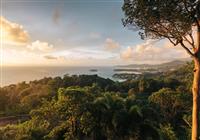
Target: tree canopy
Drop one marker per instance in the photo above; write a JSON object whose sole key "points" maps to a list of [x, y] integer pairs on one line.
{"points": [[171, 19]]}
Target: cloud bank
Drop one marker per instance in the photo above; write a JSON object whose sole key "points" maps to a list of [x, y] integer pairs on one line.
{"points": [[149, 51], [13, 33]]}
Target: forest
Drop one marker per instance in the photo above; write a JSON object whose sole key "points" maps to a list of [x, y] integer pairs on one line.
{"points": [[88, 107]]}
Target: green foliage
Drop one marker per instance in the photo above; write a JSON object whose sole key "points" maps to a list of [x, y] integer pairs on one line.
{"points": [[162, 19], [3, 99], [69, 108], [171, 103], [167, 132]]}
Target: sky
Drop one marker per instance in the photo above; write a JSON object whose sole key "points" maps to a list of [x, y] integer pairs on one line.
{"points": [[74, 33]]}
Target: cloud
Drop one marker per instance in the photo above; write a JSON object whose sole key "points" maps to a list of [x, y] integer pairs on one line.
{"points": [[13, 33], [51, 57], [54, 57], [83, 53], [41, 46], [150, 51], [56, 16], [127, 54], [111, 45], [16, 56]]}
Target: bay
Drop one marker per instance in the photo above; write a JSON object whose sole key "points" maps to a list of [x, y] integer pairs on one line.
{"points": [[13, 75]]}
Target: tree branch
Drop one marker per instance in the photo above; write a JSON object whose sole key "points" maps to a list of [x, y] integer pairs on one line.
{"points": [[187, 50], [192, 38], [174, 43]]}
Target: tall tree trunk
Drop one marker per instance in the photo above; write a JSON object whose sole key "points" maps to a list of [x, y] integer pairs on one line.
{"points": [[195, 91]]}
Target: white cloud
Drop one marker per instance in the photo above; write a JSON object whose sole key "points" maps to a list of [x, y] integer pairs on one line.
{"points": [[13, 33], [40, 46], [149, 51], [111, 45]]}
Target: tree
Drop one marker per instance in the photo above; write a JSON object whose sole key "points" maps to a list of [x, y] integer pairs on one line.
{"points": [[3, 99], [171, 104], [177, 21]]}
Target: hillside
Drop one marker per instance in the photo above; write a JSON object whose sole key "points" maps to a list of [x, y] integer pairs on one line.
{"points": [[91, 107], [168, 65]]}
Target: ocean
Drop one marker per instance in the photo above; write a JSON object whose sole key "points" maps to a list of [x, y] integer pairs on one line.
{"points": [[13, 75]]}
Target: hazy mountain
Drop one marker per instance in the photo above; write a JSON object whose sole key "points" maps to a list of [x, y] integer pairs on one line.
{"points": [[168, 65]]}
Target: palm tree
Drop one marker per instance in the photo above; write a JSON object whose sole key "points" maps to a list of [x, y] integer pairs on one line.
{"points": [[119, 118]]}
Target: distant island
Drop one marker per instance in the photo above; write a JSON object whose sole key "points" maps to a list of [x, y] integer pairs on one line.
{"points": [[93, 70]]}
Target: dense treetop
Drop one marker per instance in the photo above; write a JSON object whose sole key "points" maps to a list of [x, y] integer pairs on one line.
{"points": [[90, 107]]}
